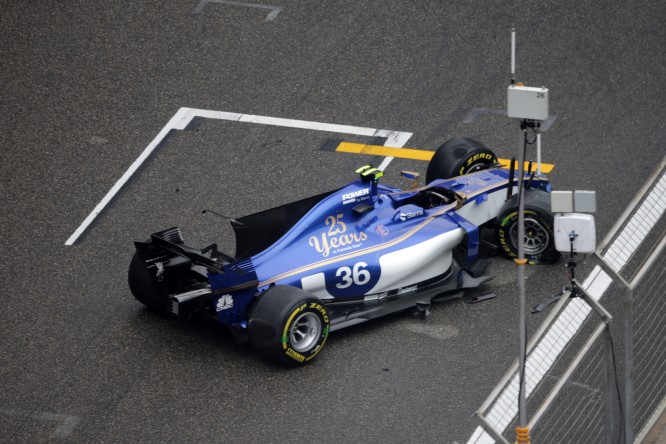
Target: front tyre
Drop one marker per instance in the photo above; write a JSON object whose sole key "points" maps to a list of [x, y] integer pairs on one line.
{"points": [[457, 157], [539, 235], [289, 326]]}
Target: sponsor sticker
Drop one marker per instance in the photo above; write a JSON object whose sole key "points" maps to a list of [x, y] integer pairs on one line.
{"points": [[295, 355], [225, 302], [356, 196], [336, 239], [382, 230], [410, 215]]}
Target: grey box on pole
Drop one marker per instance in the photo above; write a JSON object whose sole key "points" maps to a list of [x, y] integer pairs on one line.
{"points": [[526, 102], [585, 201], [561, 202]]}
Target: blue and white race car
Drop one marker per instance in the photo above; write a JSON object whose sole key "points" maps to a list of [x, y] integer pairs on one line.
{"points": [[347, 256]]}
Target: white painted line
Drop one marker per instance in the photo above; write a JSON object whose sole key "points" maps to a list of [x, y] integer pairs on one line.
{"points": [[67, 422], [569, 322], [275, 10], [173, 124], [184, 116], [396, 139]]}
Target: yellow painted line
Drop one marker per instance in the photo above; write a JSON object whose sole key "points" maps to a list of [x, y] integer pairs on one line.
{"points": [[408, 153], [545, 167], [379, 150]]}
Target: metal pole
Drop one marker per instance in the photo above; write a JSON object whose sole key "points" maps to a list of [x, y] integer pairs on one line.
{"points": [[513, 56], [629, 366], [538, 141], [520, 262], [608, 375]]}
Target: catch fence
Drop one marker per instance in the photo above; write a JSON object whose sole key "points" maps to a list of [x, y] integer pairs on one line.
{"points": [[581, 385]]}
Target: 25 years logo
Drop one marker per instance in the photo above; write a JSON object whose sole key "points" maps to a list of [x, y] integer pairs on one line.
{"points": [[336, 239]]}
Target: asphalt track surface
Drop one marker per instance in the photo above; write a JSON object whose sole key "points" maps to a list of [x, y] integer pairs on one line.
{"points": [[85, 86]]}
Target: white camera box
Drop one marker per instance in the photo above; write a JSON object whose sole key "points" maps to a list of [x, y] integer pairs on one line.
{"points": [[580, 224]]}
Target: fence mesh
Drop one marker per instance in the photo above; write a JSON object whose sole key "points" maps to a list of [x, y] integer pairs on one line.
{"points": [[587, 407], [649, 342], [578, 415], [555, 347], [638, 233], [635, 251]]}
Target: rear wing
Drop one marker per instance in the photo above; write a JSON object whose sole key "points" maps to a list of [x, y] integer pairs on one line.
{"points": [[171, 240]]}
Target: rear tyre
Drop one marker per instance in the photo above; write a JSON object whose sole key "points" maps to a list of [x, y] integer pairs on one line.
{"points": [[289, 326], [457, 157], [539, 236], [146, 286]]}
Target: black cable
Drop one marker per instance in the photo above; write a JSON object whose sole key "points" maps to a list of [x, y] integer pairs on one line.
{"points": [[525, 152], [578, 261], [617, 386], [535, 136], [532, 174]]}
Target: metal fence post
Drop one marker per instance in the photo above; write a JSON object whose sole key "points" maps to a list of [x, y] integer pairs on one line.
{"points": [[629, 366], [608, 375]]}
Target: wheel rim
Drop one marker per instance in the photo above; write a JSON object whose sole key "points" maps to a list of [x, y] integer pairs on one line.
{"points": [[305, 332], [536, 237], [477, 167]]}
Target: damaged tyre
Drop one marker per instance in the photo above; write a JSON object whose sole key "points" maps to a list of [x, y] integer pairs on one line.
{"points": [[539, 235]]}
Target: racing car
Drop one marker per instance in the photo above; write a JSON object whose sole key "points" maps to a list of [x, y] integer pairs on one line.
{"points": [[347, 256]]}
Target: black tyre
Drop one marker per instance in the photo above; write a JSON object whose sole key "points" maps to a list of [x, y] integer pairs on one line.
{"points": [[539, 235], [289, 326], [146, 286], [457, 157]]}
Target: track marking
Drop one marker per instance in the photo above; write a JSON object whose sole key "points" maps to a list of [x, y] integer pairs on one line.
{"points": [[67, 423], [410, 153], [472, 115], [378, 150], [275, 10], [184, 117]]}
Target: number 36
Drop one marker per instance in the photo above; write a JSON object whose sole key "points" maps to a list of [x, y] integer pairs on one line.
{"points": [[357, 276]]}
